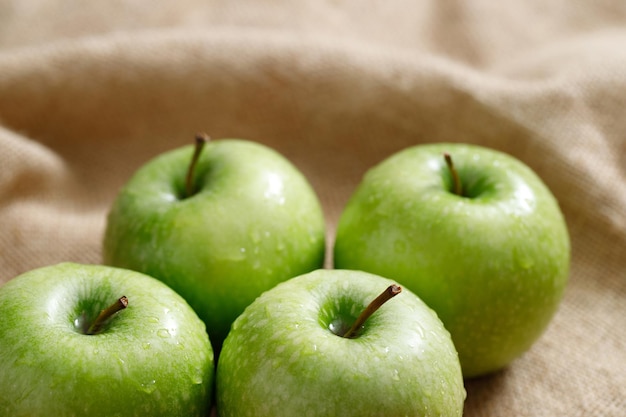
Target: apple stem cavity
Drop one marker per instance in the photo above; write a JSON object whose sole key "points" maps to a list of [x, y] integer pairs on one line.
{"points": [[456, 181], [201, 140], [106, 314], [385, 296]]}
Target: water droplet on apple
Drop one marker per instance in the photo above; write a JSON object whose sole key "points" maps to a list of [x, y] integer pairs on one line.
{"points": [[146, 346], [78, 323], [337, 327], [164, 333], [523, 260], [421, 352], [526, 263], [235, 254], [420, 331], [153, 319], [395, 375], [149, 387], [196, 378]]}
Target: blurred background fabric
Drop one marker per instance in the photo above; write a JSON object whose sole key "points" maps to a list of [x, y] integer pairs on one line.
{"points": [[91, 90]]}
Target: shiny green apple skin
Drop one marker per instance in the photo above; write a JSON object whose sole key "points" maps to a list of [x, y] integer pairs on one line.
{"points": [[492, 263], [282, 358], [153, 358], [254, 221]]}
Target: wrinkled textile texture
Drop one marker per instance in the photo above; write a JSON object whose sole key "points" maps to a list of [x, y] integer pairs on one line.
{"points": [[91, 90]]}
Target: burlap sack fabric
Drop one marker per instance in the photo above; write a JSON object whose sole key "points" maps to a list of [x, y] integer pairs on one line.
{"points": [[91, 90]]}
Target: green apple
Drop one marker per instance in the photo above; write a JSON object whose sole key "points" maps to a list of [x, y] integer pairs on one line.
{"points": [[304, 348], [475, 234], [219, 225], [91, 340]]}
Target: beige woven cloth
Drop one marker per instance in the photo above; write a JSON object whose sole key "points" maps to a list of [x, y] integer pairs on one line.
{"points": [[90, 90]]}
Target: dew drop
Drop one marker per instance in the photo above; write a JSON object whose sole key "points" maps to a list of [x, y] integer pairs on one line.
{"points": [[164, 333], [420, 331], [149, 387], [78, 323], [395, 375], [197, 378], [523, 260], [236, 255]]}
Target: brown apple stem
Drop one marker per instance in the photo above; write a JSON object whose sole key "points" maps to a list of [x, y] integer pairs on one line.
{"points": [[385, 296], [201, 140], [106, 314], [458, 188]]}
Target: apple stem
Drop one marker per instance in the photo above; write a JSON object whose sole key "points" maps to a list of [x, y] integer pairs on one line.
{"points": [[201, 140], [106, 314], [385, 296], [458, 188]]}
